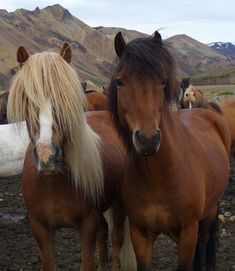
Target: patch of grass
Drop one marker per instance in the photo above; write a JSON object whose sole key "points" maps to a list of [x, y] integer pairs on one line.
{"points": [[226, 93], [219, 73]]}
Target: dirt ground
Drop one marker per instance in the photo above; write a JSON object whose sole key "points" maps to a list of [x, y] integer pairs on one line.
{"points": [[19, 251]]}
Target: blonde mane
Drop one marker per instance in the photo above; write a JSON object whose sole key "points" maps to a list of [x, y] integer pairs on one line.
{"points": [[48, 76]]}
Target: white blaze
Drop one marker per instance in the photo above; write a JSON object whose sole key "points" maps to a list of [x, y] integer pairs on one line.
{"points": [[45, 119]]}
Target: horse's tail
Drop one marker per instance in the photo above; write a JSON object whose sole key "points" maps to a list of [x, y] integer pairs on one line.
{"points": [[212, 244], [127, 255]]}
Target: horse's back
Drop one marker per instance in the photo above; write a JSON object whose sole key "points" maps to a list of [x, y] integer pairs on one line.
{"points": [[96, 101], [207, 141], [206, 123]]}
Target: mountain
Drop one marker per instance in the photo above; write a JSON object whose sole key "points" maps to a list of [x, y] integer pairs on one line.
{"points": [[225, 48], [128, 35], [43, 29], [93, 49], [194, 57]]}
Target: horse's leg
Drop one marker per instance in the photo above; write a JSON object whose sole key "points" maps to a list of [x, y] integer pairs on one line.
{"points": [[213, 241], [206, 246], [102, 240], [142, 241], [118, 216], [89, 230], [187, 247], [44, 238]]}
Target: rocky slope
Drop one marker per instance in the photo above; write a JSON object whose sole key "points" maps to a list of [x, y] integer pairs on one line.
{"points": [[93, 53]]}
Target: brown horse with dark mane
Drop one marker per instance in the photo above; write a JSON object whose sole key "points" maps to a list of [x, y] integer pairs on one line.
{"points": [[68, 177], [178, 162]]}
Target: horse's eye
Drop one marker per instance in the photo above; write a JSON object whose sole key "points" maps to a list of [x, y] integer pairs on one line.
{"points": [[186, 94], [119, 83]]}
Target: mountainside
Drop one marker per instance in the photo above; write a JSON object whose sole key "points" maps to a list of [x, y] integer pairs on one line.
{"points": [[93, 49], [194, 57], [48, 28], [225, 48]]}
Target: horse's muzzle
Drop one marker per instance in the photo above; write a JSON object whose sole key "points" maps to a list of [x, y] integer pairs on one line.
{"points": [[147, 145], [47, 158]]}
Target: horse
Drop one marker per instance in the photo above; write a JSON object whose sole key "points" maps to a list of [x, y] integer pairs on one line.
{"points": [[184, 84], [13, 146], [178, 165], [96, 101], [68, 178], [193, 97], [3, 107], [228, 110]]}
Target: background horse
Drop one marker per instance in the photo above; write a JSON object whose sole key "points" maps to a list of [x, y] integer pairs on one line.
{"points": [[68, 177], [3, 107], [13, 146], [96, 101], [170, 186], [228, 109], [184, 84], [193, 97]]}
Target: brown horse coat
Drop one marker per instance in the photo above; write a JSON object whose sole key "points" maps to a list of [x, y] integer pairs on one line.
{"points": [[178, 162]]}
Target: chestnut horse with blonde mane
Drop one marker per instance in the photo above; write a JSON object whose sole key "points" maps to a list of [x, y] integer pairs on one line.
{"points": [[68, 177], [178, 162]]}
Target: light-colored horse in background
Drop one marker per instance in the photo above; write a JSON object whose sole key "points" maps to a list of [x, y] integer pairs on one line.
{"points": [[193, 97], [13, 146]]}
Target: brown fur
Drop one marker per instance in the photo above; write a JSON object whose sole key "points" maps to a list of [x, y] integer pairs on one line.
{"points": [[96, 101], [176, 189], [194, 96], [84, 181], [228, 109]]}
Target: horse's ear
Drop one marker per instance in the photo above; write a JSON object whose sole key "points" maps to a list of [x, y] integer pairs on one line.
{"points": [[119, 44], [22, 55], [66, 52], [157, 36]]}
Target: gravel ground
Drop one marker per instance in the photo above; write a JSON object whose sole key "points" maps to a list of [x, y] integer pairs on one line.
{"points": [[19, 252]]}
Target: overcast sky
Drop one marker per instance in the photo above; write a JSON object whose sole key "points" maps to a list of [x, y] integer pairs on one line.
{"points": [[205, 20]]}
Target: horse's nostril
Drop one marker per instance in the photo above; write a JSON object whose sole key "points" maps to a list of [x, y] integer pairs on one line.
{"points": [[140, 137], [158, 136]]}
